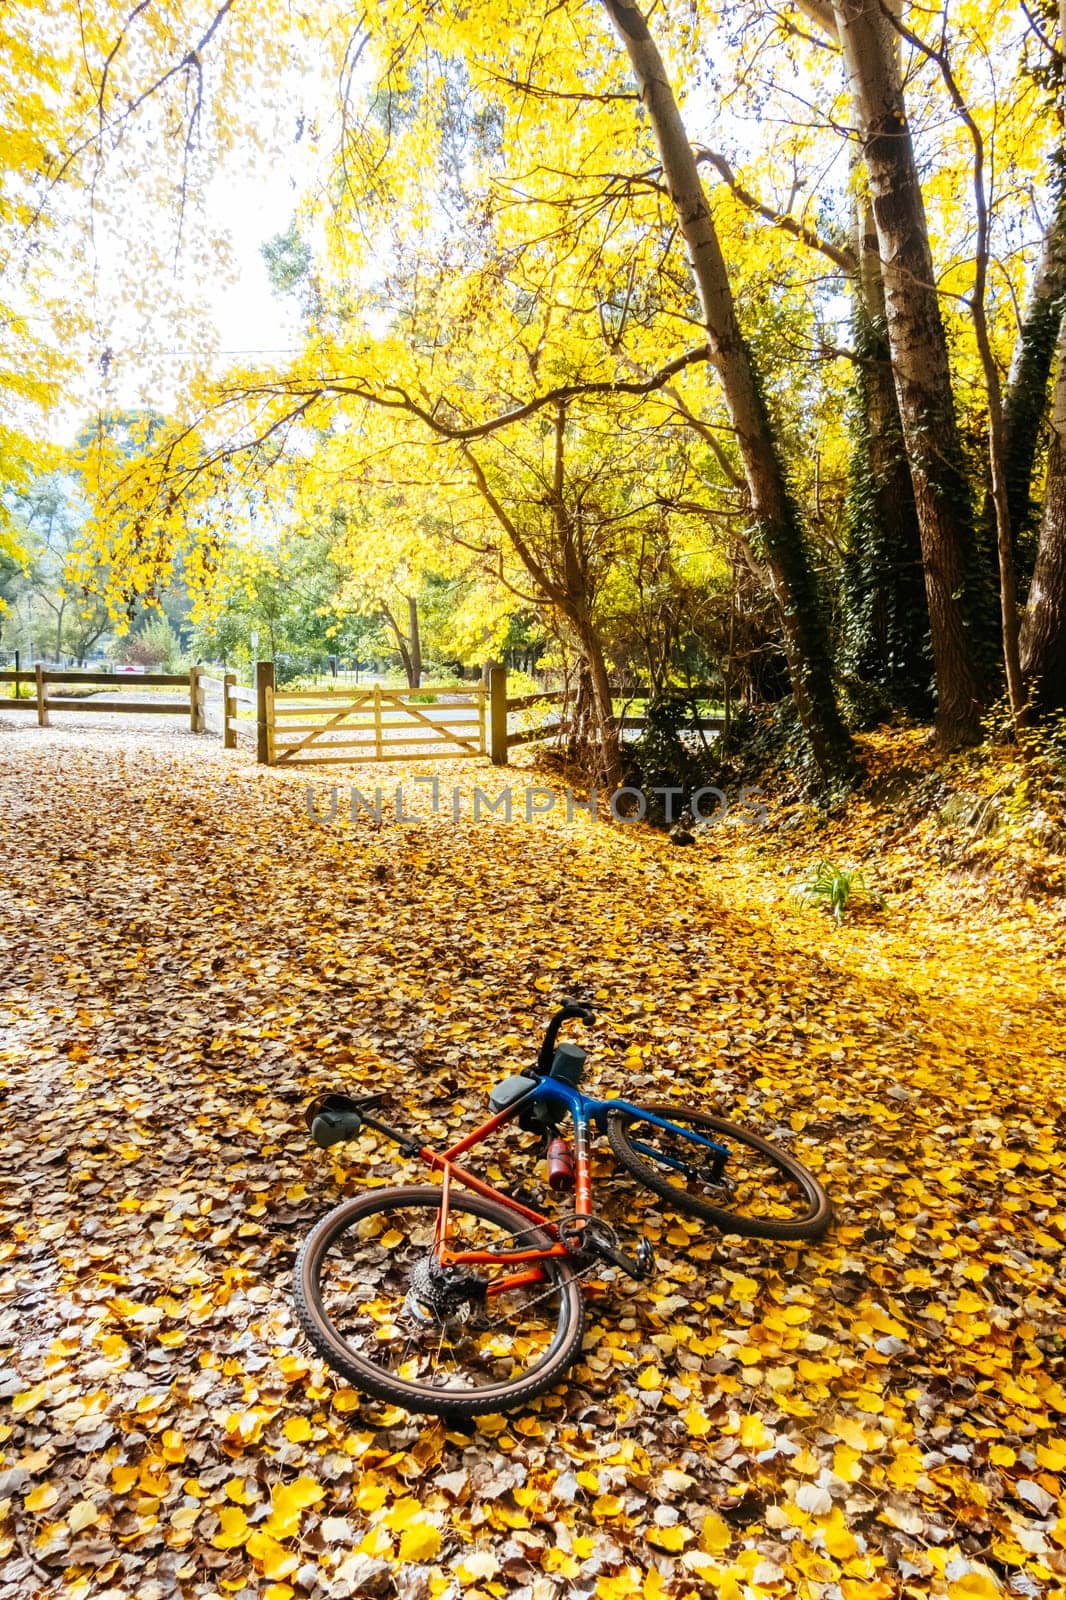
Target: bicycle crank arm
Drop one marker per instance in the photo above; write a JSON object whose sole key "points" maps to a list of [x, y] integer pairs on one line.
{"points": [[640, 1266]]}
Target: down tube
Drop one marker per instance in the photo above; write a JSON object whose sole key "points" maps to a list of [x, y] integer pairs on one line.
{"points": [[583, 1201]]}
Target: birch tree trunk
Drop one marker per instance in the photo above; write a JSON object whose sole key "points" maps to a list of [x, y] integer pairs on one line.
{"points": [[1044, 623], [774, 514], [920, 367]]}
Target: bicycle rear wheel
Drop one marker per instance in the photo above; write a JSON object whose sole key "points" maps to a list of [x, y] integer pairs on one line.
{"points": [[758, 1189], [371, 1299]]}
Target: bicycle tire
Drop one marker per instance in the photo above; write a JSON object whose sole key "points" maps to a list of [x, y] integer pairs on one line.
{"points": [[367, 1375], [810, 1224]]}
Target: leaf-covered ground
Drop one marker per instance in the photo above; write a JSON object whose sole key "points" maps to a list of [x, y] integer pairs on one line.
{"points": [[188, 957]]}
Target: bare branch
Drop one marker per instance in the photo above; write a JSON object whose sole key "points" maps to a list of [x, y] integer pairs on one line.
{"points": [[392, 397], [840, 255]]}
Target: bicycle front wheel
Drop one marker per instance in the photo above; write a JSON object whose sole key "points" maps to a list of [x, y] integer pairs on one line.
{"points": [[757, 1189], [374, 1302]]}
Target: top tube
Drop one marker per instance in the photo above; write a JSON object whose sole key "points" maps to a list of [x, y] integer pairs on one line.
{"points": [[557, 1096]]}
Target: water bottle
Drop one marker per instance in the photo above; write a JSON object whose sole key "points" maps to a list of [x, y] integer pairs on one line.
{"points": [[560, 1164]]}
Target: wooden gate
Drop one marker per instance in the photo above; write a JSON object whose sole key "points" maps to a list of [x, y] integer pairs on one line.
{"points": [[373, 724]]}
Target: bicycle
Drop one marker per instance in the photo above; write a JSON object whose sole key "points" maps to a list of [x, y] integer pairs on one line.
{"points": [[460, 1304]]}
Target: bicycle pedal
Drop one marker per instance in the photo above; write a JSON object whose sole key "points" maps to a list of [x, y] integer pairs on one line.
{"points": [[645, 1259]]}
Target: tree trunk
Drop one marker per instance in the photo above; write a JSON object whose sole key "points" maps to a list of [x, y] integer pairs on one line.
{"points": [[414, 636], [1044, 624], [888, 617], [401, 645], [609, 754], [791, 576], [920, 366], [1025, 398]]}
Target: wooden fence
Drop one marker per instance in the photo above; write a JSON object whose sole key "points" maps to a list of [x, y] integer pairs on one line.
{"points": [[316, 726], [554, 723], [306, 727], [199, 688]]}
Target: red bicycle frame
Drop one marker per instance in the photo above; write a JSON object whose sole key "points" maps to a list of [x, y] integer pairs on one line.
{"points": [[447, 1165]]}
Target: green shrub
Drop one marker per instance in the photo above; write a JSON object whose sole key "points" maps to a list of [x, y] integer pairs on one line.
{"points": [[833, 888]]}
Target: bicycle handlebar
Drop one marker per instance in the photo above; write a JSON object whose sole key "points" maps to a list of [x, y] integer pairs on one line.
{"points": [[570, 1009]]}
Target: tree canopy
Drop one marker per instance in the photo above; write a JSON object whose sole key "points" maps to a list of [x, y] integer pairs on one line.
{"points": [[765, 289]]}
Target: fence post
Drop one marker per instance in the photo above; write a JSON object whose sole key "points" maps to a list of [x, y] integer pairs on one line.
{"points": [[42, 708], [18, 679], [377, 721], [498, 716], [229, 711], [197, 720], [264, 707]]}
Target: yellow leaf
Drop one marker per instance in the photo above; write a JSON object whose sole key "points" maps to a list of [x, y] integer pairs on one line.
{"points": [[850, 1432], [715, 1535], [651, 1378], [478, 1565], [974, 1586], [420, 1541], [1001, 1455], [753, 1434], [906, 1467], [153, 1477], [839, 1540], [82, 1515], [287, 1501], [234, 1529], [45, 1495], [846, 1463], [297, 1430], [654, 1588], [608, 1505], [123, 1478], [622, 1586], [743, 1289], [672, 1539], [695, 1421], [275, 1560], [403, 1513], [28, 1399], [371, 1494], [377, 1542]]}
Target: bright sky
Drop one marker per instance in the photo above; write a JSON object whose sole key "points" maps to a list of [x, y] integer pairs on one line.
{"points": [[166, 323]]}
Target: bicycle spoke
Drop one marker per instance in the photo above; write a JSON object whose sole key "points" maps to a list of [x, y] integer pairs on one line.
{"points": [[367, 1294]]}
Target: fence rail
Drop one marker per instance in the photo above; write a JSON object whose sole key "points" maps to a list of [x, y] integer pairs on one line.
{"points": [[353, 724], [503, 740], [199, 688]]}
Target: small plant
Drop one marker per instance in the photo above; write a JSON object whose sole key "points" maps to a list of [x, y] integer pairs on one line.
{"points": [[833, 887]]}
